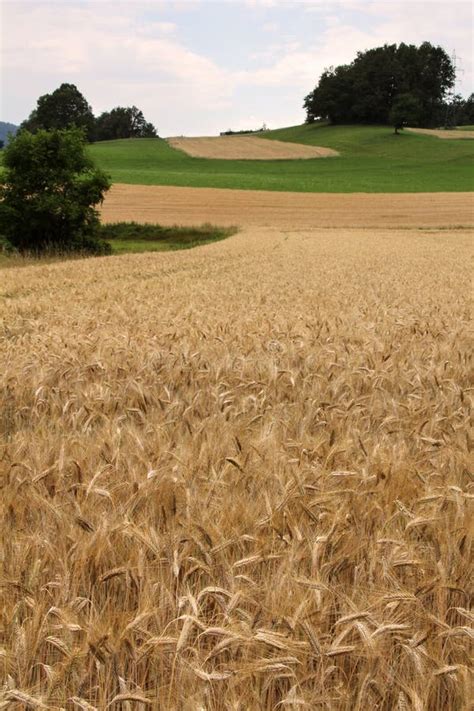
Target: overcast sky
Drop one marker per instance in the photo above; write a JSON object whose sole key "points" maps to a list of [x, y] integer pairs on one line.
{"points": [[202, 66]]}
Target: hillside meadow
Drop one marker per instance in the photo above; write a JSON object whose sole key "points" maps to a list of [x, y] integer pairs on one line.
{"points": [[372, 159], [237, 478]]}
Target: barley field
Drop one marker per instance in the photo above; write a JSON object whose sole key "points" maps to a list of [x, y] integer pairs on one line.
{"points": [[247, 148], [237, 478]]}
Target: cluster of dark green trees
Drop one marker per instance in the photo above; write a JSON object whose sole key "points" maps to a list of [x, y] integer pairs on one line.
{"points": [[459, 111], [394, 84], [66, 107], [50, 187]]}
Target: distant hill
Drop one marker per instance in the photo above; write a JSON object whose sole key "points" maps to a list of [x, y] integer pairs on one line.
{"points": [[5, 129], [371, 160]]}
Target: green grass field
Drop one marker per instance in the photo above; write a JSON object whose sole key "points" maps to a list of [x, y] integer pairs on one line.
{"points": [[127, 237], [372, 160], [131, 237]]}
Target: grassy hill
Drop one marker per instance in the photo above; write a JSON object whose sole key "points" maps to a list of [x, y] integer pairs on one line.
{"points": [[372, 159]]}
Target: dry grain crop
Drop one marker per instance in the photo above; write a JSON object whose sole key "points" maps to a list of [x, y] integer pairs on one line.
{"points": [[237, 478], [443, 133], [257, 208], [247, 148]]}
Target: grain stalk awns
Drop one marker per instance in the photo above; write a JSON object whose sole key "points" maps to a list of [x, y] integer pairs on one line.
{"points": [[238, 478]]}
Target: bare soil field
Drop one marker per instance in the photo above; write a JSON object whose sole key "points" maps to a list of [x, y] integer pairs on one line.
{"points": [[250, 208], [441, 133], [247, 148], [237, 478]]}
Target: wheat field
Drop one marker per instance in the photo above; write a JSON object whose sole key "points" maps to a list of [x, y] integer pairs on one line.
{"points": [[237, 478], [287, 211], [247, 148], [444, 133]]}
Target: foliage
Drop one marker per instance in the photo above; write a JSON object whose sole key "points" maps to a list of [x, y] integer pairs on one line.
{"points": [[467, 117], [49, 193], [459, 111], [65, 107], [405, 111], [370, 161], [365, 90], [123, 122], [230, 132]]}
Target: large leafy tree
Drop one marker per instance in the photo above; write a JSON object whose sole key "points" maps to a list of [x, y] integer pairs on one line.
{"points": [[66, 107], [63, 108], [49, 192], [365, 90], [332, 97], [123, 122]]}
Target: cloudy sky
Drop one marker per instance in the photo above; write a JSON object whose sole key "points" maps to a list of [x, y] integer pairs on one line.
{"points": [[197, 67]]}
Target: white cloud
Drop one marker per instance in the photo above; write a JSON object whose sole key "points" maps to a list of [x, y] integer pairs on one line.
{"points": [[166, 28], [134, 53], [270, 27], [447, 24], [113, 58]]}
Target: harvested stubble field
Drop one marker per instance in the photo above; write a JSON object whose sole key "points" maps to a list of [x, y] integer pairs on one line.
{"points": [[247, 148], [237, 478], [444, 133], [256, 208]]}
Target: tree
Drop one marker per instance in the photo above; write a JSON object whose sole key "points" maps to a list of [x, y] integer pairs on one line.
{"points": [[66, 107], [458, 112], [365, 90], [468, 114], [406, 110], [332, 98], [63, 108], [49, 191], [123, 122]]}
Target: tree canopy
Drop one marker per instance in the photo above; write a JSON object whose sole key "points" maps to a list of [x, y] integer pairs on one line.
{"points": [[49, 191], [123, 122], [459, 111], [365, 90], [66, 107]]}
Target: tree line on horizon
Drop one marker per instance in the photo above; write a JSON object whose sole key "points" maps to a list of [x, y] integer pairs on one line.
{"points": [[66, 107], [393, 84]]}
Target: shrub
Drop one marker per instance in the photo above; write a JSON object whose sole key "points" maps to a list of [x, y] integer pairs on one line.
{"points": [[49, 193]]}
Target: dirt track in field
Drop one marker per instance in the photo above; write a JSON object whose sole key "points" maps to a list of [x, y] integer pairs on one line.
{"points": [[253, 208], [441, 133], [247, 148]]}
